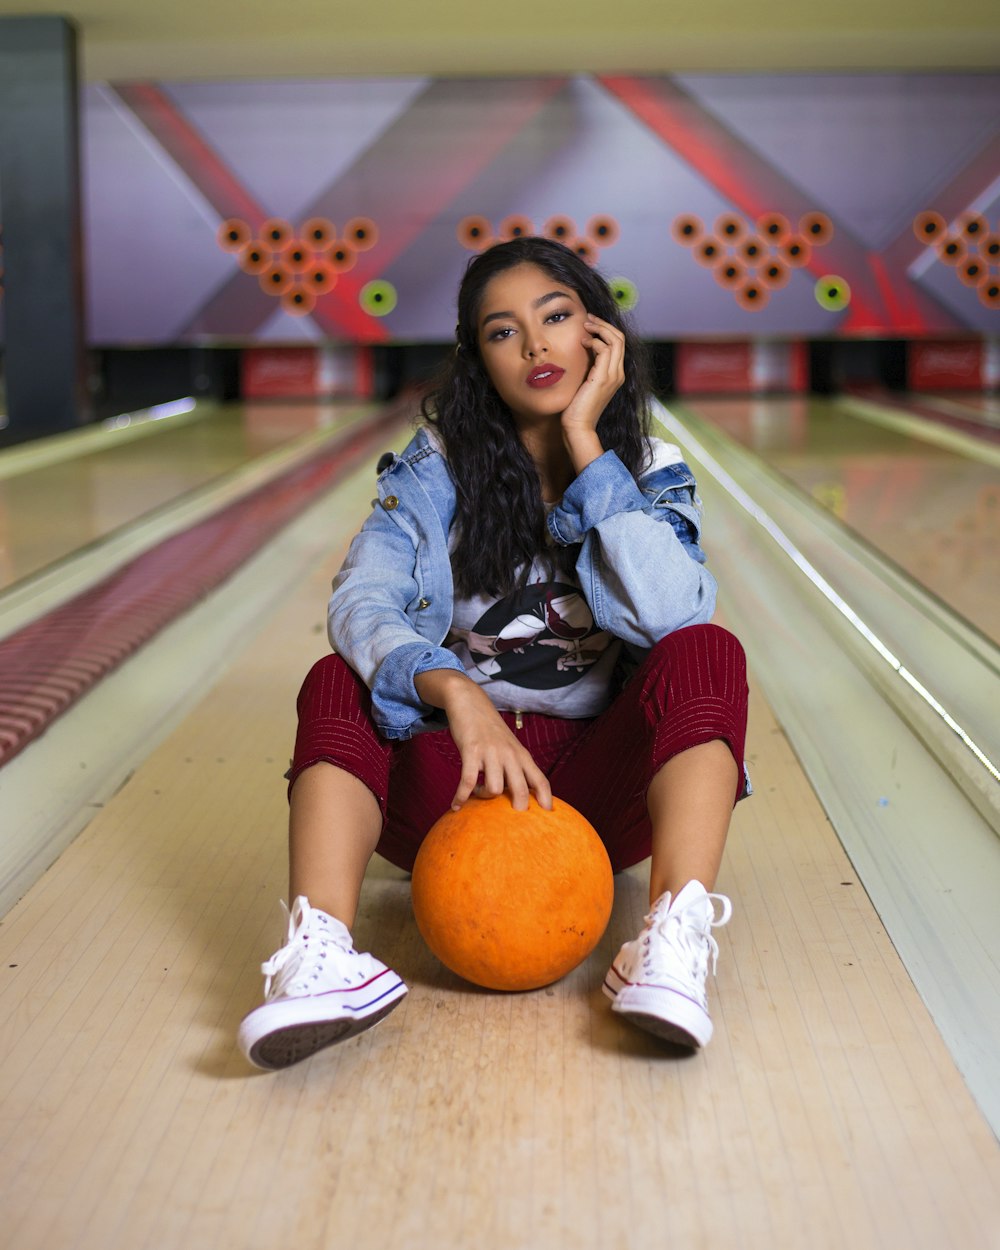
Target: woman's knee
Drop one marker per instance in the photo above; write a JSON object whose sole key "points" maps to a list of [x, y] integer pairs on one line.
{"points": [[330, 672], [708, 642], [697, 662], [327, 667]]}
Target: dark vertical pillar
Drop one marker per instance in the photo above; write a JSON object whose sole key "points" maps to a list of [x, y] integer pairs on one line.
{"points": [[40, 214]]}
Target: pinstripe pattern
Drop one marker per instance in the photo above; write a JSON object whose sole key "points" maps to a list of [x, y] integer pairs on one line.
{"points": [[690, 689]]}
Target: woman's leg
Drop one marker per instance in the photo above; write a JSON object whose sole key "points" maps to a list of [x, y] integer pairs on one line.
{"points": [[690, 802], [333, 829], [657, 774], [351, 792], [338, 790], [318, 989], [696, 688]]}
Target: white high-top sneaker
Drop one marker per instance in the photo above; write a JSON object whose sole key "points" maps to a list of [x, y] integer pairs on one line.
{"points": [[658, 981], [319, 990]]}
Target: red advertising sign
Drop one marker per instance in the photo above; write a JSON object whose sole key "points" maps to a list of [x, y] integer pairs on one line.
{"points": [[307, 373], [951, 365], [756, 367]]}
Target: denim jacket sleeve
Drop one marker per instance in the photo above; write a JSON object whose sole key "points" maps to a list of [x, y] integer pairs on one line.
{"points": [[391, 603], [640, 564]]}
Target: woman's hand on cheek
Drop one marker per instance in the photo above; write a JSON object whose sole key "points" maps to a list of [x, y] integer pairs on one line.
{"points": [[606, 375], [607, 344]]}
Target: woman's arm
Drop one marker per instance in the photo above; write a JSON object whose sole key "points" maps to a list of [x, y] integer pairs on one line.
{"points": [[606, 344], [393, 573], [372, 622], [640, 563]]}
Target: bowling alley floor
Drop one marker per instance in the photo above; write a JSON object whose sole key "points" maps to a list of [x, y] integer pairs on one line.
{"points": [[75, 490], [828, 1109], [931, 508]]}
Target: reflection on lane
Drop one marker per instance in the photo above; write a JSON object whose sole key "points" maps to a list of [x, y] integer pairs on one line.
{"points": [[966, 402], [49, 512], [934, 513]]}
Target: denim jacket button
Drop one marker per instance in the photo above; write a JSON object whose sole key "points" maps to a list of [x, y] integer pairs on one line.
{"points": [[390, 502], [424, 603]]}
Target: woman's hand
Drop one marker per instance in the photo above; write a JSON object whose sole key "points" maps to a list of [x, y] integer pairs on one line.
{"points": [[607, 343], [485, 743]]}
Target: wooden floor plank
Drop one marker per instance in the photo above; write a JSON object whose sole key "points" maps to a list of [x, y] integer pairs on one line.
{"points": [[825, 1112]]}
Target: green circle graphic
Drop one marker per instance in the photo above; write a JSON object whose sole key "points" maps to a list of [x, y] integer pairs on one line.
{"points": [[378, 298], [624, 292], [832, 293]]}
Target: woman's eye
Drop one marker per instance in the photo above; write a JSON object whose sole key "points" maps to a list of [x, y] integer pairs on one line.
{"points": [[503, 333]]}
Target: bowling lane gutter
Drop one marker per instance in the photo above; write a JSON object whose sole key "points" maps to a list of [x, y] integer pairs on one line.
{"points": [[52, 789], [963, 413], [927, 426], [931, 664], [53, 660], [33, 596], [832, 633], [112, 432]]}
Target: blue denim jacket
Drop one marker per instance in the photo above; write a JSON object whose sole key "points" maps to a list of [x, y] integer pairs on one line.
{"points": [[640, 567]]}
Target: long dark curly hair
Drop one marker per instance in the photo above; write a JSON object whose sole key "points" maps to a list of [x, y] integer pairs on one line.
{"points": [[499, 515]]}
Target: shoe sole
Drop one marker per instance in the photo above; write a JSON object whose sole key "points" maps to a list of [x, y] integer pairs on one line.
{"points": [[666, 1013], [282, 1033]]}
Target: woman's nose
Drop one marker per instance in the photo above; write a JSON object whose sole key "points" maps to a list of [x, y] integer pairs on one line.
{"points": [[536, 344]]}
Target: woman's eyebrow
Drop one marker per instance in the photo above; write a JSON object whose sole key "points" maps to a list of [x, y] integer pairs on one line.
{"points": [[543, 299]]}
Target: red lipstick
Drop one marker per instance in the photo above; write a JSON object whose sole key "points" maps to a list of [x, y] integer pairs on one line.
{"points": [[544, 375]]}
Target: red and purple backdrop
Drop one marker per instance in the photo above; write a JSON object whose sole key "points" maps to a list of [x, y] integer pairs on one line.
{"points": [[689, 190]]}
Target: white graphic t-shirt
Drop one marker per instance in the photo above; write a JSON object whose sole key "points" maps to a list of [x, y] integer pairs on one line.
{"points": [[537, 650]]}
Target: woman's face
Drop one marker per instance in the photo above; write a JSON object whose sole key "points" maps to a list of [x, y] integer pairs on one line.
{"points": [[531, 341]]}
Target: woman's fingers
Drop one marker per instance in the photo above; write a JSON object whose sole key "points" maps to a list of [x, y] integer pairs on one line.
{"points": [[489, 750], [608, 343], [517, 788], [525, 778], [539, 783], [517, 776], [493, 777], [608, 333], [605, 378], [470, 776]]}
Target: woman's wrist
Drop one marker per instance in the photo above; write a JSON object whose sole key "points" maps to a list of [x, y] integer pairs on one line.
{"points": [[584, 448], [438, 686]]}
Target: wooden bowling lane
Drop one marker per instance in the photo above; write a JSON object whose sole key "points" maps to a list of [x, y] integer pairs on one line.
{"points": [[100, 480], [981, 409], [932, 511], [826, 1111]]}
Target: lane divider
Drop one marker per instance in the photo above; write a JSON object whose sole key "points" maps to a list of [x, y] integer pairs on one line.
{"points": [[909, 421], [49, 664], [112, 432], [686, 439], [31, 596]]}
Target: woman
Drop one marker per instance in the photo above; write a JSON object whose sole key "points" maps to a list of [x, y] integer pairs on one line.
{"points": [[526, 610]]}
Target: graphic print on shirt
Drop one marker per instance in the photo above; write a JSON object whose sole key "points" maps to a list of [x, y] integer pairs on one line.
{"points": [[540, 638]]}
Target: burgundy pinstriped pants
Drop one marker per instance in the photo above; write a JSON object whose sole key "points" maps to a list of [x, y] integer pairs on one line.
{"points": [[690, 689]]}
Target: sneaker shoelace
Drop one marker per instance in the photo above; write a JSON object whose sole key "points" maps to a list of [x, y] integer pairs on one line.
{"points": [[687, 934], [311, 950]]}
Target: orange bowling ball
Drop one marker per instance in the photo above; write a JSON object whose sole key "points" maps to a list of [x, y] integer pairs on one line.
{"points": [[512, 900]]}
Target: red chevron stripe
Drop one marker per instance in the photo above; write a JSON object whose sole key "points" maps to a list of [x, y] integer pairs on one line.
{"points": [[746, 179]]}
